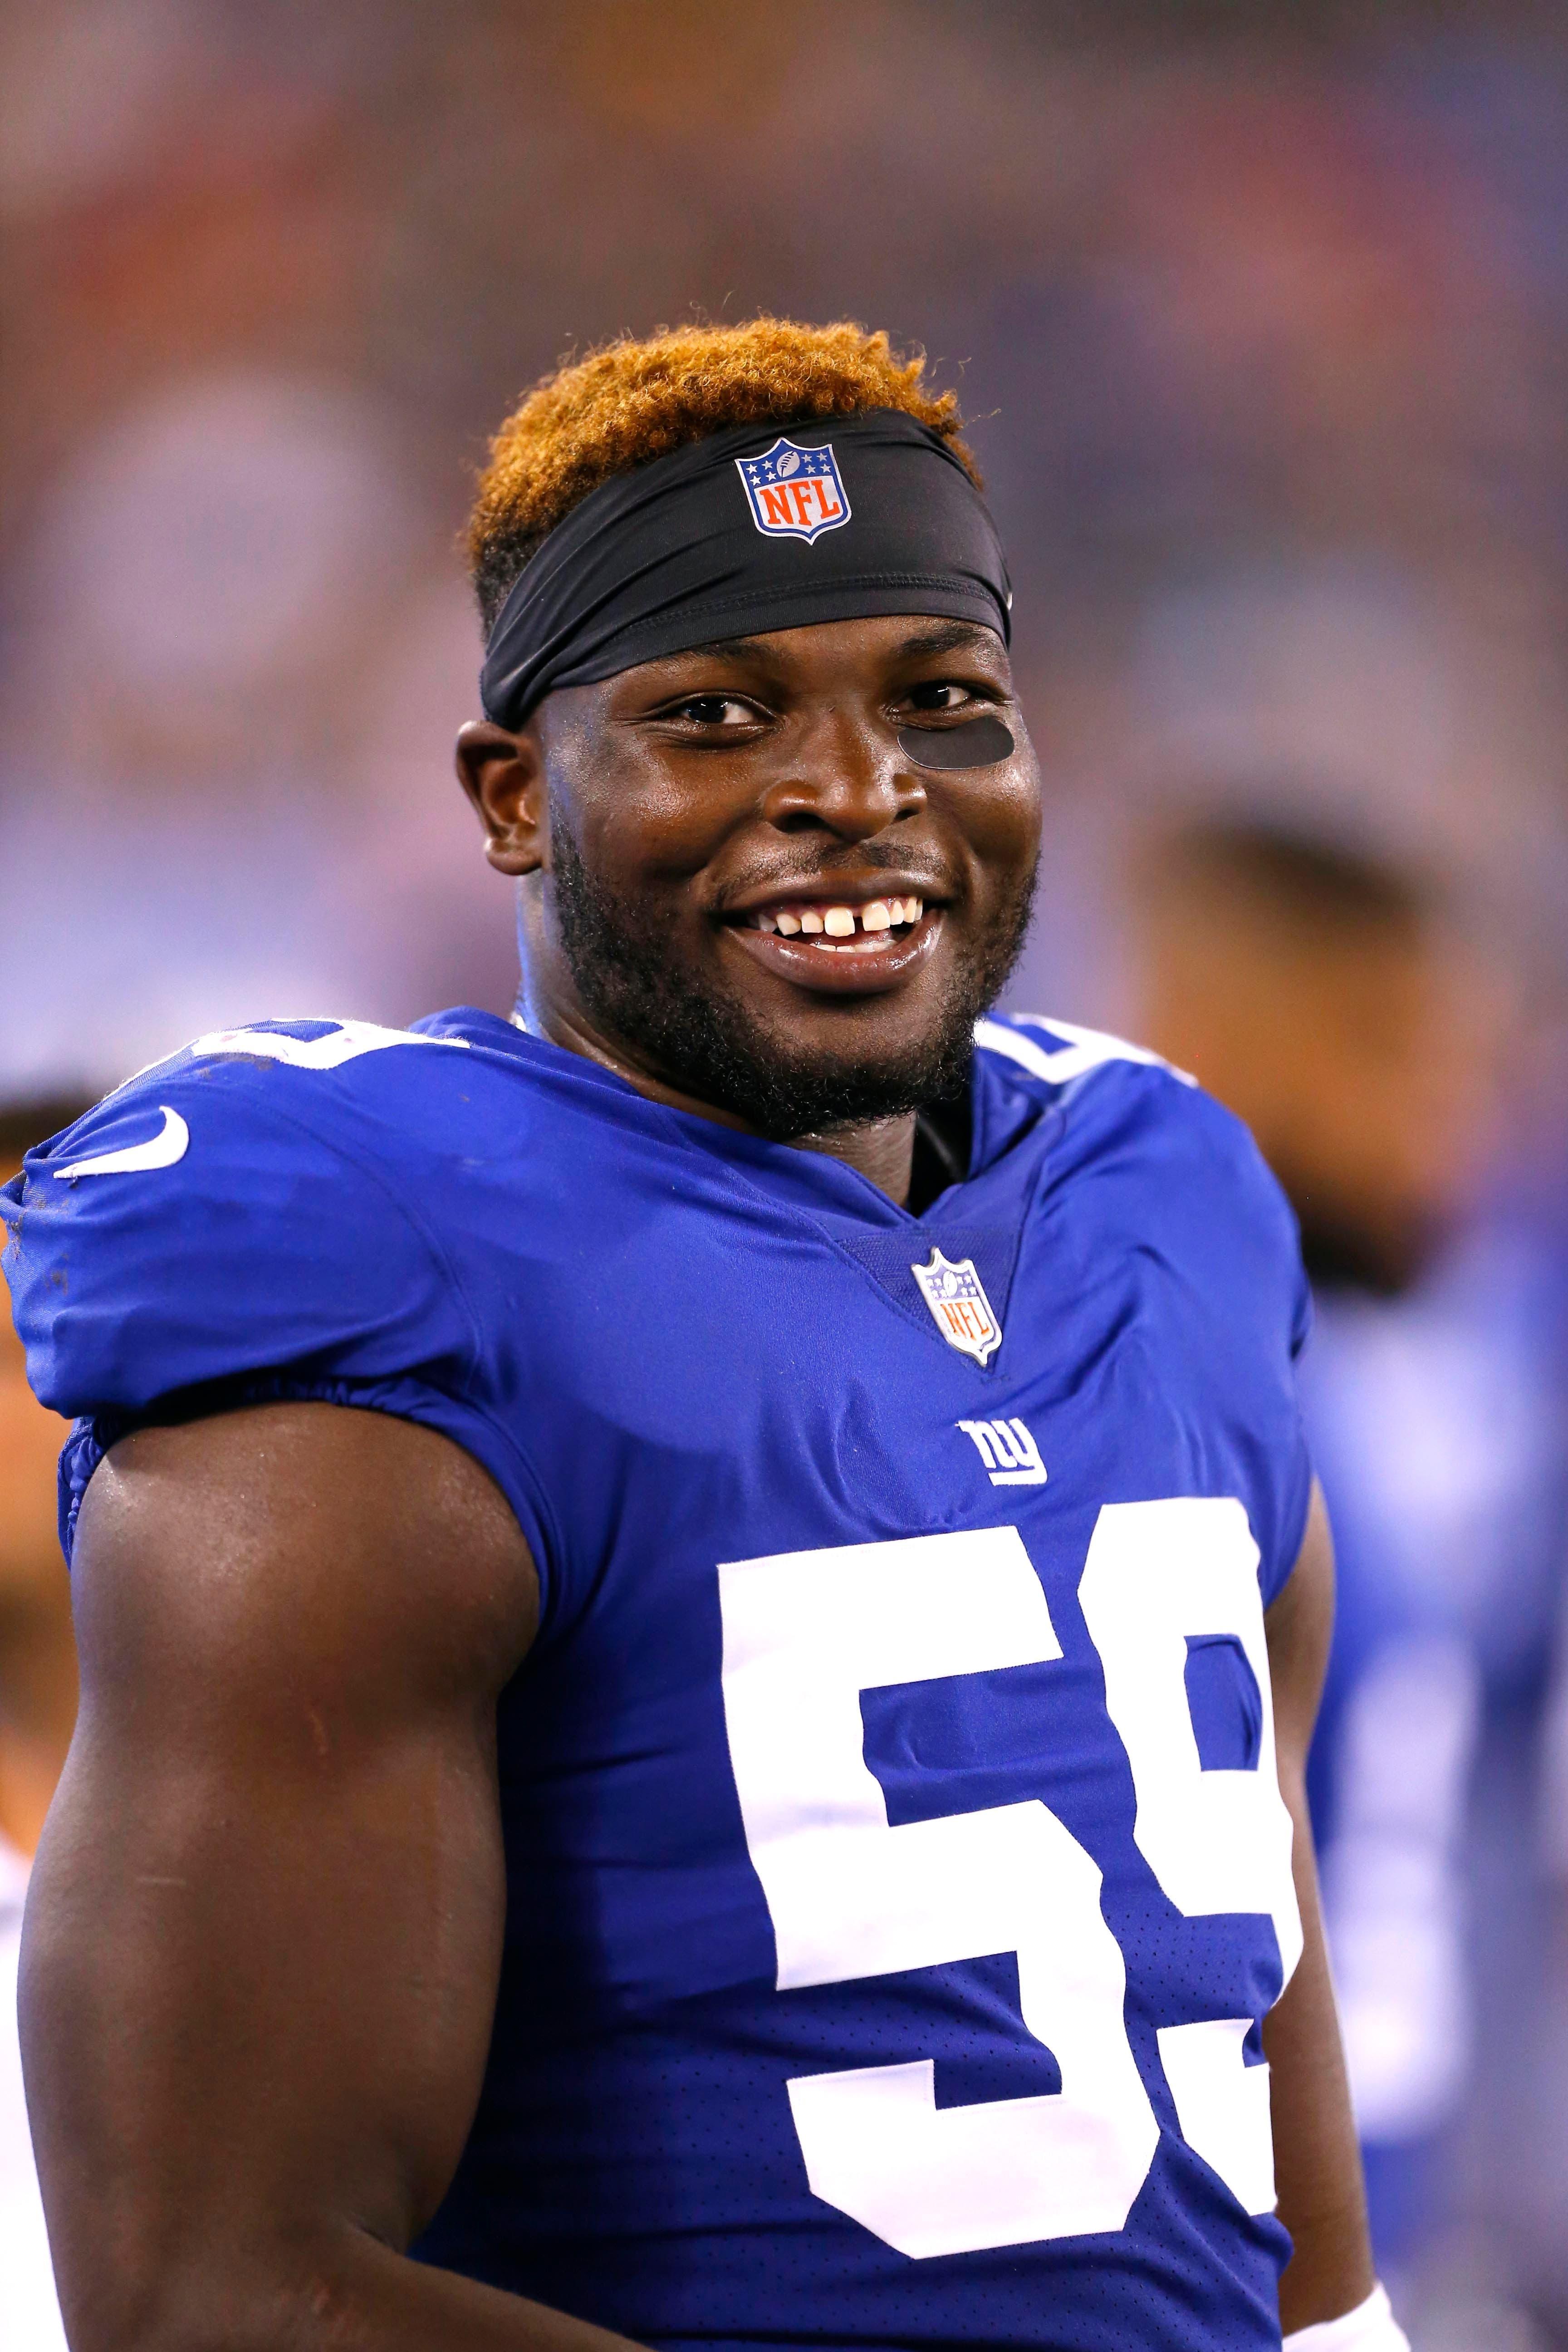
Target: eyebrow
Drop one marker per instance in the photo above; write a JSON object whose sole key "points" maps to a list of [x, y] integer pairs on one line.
{"points": [[946, 638]]}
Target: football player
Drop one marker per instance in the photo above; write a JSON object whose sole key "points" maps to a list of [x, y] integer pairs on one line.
{"points": [[700, 1610]]}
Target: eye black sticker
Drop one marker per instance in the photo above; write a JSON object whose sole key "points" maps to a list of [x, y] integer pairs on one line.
{"points": [[978, 743]]}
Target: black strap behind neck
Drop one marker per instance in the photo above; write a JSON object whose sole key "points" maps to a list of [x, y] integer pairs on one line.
{"points": [[943, 1137]]}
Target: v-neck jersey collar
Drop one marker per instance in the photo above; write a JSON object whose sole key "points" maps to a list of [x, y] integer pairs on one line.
{"points": [[1003, 1114]]}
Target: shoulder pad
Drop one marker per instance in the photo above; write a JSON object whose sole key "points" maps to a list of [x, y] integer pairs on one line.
{"points": [[330, 1045], [1061, 1051], [225, 1213]]}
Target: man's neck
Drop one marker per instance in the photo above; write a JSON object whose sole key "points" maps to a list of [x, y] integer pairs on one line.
{"points": [[880, 1150]]}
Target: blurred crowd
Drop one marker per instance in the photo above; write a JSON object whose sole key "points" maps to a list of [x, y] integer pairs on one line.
{"points": [[1261, 316]]}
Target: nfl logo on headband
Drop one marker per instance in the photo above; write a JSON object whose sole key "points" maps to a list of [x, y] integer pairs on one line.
{"points": [[795, 493]]}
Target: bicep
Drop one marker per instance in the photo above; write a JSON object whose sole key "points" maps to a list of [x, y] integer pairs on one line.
{"points": [[1299, 1626], [1317, 2166], [264, 1935]]}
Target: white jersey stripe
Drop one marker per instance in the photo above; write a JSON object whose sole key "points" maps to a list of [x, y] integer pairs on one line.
{"points": [[1085, 1049]]}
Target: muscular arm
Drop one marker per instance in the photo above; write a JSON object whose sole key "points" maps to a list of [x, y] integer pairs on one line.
{"points": [[1316, 2160], [265, 1930]]}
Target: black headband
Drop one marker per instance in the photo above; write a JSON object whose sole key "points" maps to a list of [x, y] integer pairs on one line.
{"points": [[755, 528]]}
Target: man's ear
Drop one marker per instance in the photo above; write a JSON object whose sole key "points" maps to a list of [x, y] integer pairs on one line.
{"points": [[503, 775]]}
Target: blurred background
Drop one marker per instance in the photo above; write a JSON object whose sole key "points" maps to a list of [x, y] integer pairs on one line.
{"points": [[1260, 317]]}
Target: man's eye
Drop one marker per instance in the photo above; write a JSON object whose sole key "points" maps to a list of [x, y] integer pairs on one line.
{"points": [[715, 711], [941, 694]]}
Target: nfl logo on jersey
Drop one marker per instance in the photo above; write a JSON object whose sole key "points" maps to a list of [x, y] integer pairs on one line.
{"points": [[795, 493], [960, 1308]]}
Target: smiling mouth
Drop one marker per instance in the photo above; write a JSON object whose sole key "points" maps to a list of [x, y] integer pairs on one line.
{"points": [[835, 928]]}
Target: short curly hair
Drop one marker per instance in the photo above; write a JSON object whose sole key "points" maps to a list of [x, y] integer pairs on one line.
{"points": [[629, 401]]}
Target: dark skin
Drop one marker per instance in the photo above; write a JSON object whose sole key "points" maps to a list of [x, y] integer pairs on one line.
{"points": [[265, 1932], [709, 782]]}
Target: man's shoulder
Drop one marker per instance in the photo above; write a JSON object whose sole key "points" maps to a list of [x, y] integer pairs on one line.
{"points": [[254, 1199], [1112, 1097], [1108, 1086], [238, 1126], [320, 1078], [247, 1113], [1145, 1132], [334, 1200], [303, 1077], [1055, 1054]]}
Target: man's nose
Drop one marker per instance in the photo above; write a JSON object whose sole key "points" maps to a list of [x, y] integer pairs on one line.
{"points": [[846, 774]]}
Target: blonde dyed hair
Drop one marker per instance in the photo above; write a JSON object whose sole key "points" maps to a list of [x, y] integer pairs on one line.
{"points": [[630, 402]]}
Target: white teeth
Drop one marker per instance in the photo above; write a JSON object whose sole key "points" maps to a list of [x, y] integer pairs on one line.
{"points": [[843, 923]]}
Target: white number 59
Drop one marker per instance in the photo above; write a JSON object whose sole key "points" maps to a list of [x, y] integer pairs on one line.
{"points": [[850, 1896]]}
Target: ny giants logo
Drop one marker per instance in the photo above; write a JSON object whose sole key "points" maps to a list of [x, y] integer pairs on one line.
{"points": [[795, 493], [1009, 1453]]}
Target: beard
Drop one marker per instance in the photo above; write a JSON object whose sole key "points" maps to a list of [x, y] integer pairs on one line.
{"points": [[708, 1044]]}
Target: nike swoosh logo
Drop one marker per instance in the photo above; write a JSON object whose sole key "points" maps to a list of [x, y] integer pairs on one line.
{"points": [[162, 1151]]}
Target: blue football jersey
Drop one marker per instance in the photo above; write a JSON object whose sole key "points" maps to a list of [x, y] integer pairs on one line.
{"points": [[898, 1875]]}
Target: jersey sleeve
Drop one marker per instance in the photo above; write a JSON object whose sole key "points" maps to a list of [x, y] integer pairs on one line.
{"points": [[1252, 1259], [1197, 1193], [1301, 1313], [216, 1233]]}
